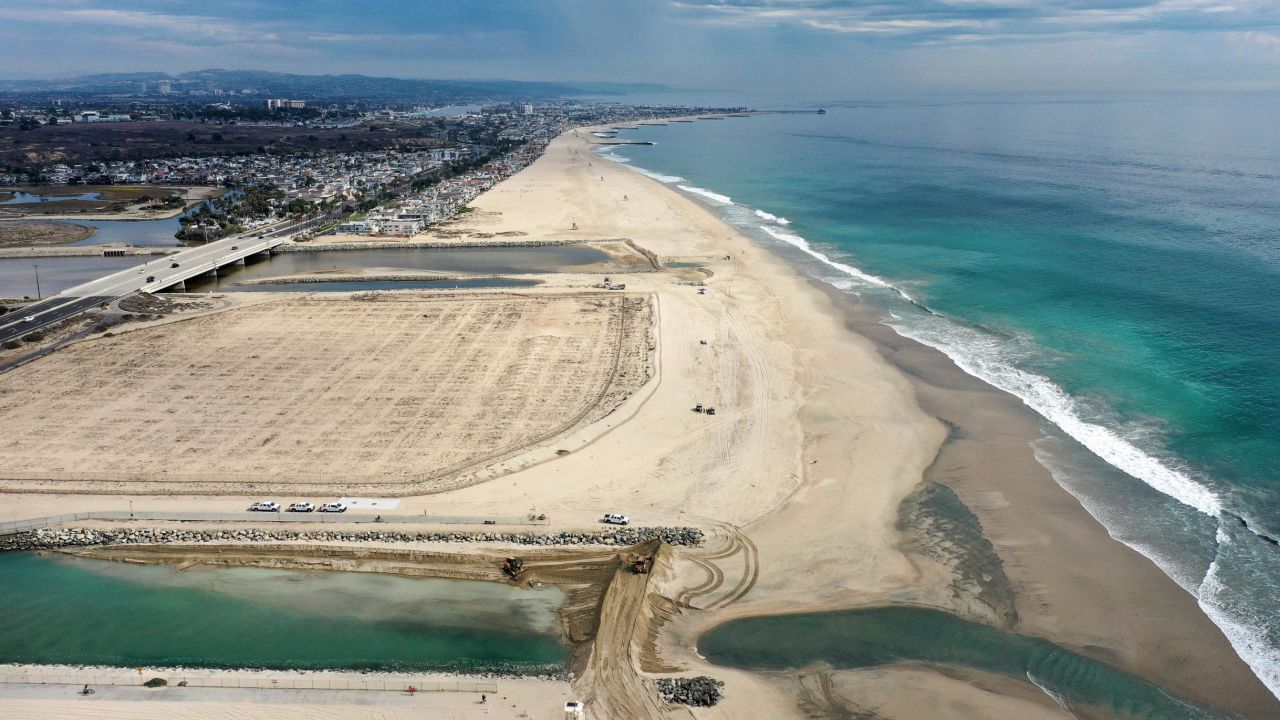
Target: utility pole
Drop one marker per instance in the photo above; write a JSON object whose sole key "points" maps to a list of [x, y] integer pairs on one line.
{"points": [[38, 294]]}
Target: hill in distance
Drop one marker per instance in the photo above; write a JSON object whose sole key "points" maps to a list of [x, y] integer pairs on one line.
{"points": [[261, 83]]}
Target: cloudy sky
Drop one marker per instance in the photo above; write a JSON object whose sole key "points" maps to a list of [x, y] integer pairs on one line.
{"points": [[828, 47]]}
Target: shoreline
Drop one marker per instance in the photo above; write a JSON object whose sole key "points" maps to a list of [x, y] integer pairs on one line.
{"points": [[1056, 597]]}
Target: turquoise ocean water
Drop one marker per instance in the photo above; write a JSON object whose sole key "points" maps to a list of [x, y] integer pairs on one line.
{"points": [[1114, 262]]}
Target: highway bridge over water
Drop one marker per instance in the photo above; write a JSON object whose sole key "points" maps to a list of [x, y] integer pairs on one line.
{"points": [[163, 273]]}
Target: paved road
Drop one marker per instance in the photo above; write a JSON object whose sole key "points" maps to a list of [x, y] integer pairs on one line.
{"points": [[154, 275]]}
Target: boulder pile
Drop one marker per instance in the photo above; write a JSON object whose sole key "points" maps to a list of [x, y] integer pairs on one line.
{"points": [[52, 538], [701, 691]]}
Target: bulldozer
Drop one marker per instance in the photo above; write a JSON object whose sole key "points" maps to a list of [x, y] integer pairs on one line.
{"points": [[641, 564], [512, 566]]}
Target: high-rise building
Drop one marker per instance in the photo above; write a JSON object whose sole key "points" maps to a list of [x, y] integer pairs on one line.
{"points": [[281, 103], [526, 109]]}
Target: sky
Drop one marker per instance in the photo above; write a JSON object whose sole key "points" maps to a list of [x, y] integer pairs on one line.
{"points": [[828, 48]]}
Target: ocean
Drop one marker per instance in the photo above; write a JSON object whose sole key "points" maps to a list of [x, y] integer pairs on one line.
{"points": [[1112, 261]]}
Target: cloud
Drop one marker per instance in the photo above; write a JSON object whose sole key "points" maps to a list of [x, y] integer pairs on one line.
{"points": [[203, 27], [863, 45], [1254, 45], [890, 26], [975, 20]]}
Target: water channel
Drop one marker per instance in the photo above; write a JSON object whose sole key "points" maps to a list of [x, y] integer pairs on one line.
{"points": [[26, 198], [17, 275], [56, 609], [884, 636]]}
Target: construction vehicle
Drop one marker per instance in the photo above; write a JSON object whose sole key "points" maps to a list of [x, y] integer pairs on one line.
{"points": [[711, 411], [697, 408], [642, 564], [512, 566]]}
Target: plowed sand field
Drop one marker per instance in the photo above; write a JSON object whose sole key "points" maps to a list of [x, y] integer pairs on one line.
{"points": [[327, 394]]}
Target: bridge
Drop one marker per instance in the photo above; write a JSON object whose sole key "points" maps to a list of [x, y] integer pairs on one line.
{"points": [[170, 271]]}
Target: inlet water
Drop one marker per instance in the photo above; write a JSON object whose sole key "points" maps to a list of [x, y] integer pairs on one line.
{"points": [[885, 636], [140, 233], [25, 198], [478, 260], [62, 610], [17, 276]]}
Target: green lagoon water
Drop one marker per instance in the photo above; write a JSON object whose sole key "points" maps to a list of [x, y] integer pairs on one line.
{"points": [[62, 610], [884, 636]]}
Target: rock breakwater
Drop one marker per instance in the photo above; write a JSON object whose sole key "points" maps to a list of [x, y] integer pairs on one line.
{"points": [[54, 538]]}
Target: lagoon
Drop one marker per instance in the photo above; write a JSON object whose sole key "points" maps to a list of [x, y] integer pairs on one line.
{"points": [[62, 610]]}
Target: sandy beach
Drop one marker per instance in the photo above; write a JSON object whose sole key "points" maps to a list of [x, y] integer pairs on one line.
{"points": [[826, 423]]}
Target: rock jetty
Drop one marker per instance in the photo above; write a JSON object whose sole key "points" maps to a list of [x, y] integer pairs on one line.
{"points": [[53, 538], [701, 691]]}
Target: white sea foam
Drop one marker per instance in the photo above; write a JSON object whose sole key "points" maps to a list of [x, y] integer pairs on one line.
{"points": [[1232, 613], [668, 179], [1058, 698], [1117, 518], [610, 153], [702, 192], [799, 242], [978, 354], [772, 218]]}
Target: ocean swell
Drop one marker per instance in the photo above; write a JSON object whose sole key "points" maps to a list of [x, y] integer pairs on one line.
{"points": [[707, 194], [610, 153], [1251, 630], [772, 218]]}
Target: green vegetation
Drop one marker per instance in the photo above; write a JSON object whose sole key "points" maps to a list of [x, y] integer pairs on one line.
{"points": [[155, 682], [229, 214]]}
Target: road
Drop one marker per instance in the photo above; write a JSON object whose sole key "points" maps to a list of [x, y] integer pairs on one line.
{"points": [[153, 275]]}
